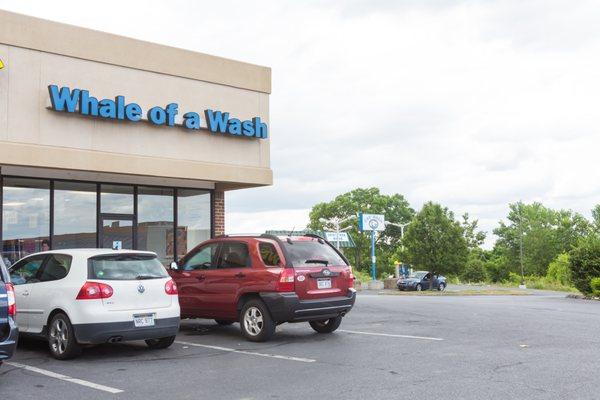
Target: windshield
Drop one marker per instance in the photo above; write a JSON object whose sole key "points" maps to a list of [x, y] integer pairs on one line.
{"points": [[418, 275], [125, 267], [312, 253]]}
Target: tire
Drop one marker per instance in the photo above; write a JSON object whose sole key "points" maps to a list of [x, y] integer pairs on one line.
{"points": [[442, 287], [327, 326], [418, 288], [162, 343], [256, 322], [222, 322], [61, 338]]}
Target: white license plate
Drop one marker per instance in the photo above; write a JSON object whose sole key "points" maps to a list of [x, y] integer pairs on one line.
{"points": [[324, 283], [141, 321]]}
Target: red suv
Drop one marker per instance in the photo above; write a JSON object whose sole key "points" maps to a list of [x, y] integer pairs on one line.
{"points": [[263, 281]]}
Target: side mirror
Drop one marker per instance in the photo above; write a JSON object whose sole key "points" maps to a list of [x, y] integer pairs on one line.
{"points": [[174, 265]]}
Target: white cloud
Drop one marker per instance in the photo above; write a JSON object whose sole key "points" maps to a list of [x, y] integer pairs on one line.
{"points": [[471, 104]]}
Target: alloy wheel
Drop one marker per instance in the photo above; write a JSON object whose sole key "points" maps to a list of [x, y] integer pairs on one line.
{"points": [[59, 336], [253, 321]]}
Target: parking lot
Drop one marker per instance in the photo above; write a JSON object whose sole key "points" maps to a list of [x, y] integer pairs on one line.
{"points": [[469, 347]]}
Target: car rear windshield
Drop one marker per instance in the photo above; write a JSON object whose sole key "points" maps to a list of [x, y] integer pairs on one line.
{"points": [[125, 267], [312, 253]]}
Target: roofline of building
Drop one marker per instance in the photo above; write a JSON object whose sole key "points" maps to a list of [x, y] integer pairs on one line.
{"points": [[68, 40]]}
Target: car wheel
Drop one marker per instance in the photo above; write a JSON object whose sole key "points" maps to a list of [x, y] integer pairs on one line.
{"points": [[326, 326], [256, 322], [222, 322], [418, 288], [61, 338], [161, 343], [441, 287]]}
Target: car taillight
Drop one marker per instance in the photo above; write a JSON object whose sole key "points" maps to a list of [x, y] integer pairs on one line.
{"points": [[94, 290], [350, 277], [12, 303], [286, 280], [171, 287]]}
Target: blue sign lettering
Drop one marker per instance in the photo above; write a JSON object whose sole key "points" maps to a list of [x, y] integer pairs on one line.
{"points": [[79, 101]]}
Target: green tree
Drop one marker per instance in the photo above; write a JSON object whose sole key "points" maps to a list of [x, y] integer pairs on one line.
{"points": [[545, 234], [585, 263], [559, 269], [473, 237], [474, 270], [434, 241], [395, 208]]}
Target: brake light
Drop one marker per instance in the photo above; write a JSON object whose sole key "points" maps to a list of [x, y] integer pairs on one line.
{"points": [[350, 277], [94, 290], [12, 303], [171, 287], [286, 280]]}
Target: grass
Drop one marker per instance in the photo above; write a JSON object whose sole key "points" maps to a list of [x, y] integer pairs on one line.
{"points": [[466, 292]]}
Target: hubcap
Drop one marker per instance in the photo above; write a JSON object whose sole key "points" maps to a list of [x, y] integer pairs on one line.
{"points": [[59, 336], [253, 321]]}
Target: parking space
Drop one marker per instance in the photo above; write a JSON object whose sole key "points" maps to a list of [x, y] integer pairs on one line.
{"points": [[472, 347]]}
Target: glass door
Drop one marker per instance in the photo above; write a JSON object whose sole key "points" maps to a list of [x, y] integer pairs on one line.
{"points": [[116, 232]]}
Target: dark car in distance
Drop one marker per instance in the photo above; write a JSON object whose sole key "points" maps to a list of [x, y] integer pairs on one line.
{"points": [[8, 310], [421, 280], [262, 281]]}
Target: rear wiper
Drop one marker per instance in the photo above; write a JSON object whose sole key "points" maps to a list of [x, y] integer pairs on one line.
{"points": [[316, 261], [140, 277]]}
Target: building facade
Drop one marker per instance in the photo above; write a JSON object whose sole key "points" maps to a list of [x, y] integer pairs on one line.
{"points": [[107, 141]]}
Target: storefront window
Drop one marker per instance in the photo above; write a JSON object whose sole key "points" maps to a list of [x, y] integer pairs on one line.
{"points": [[155, 222], [193, 219], [25, 217], [116, 199], [74, 215]]}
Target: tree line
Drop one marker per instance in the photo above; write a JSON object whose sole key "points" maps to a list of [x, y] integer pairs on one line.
{"points": [[534, 241]]}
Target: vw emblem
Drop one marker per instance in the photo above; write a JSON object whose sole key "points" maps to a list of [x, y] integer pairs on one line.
{"points": [[326, 272], [141, 288]]}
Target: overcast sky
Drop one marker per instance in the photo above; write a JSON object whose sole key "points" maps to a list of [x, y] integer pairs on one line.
{"points": [[470, 104]]}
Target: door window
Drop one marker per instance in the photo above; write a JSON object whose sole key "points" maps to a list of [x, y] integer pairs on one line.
{"points": [[203, 259], [234, 255], [57, 267], [26, 271]]}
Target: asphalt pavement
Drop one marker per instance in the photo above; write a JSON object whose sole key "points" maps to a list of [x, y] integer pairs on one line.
{"points": [[541, 346]]}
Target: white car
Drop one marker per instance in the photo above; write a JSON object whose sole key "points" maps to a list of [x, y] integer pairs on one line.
{"points": [[92, 296]]}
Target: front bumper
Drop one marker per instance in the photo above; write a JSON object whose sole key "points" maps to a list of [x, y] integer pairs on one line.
{"points": [[287, 307], [98, 333], [8, 343]]}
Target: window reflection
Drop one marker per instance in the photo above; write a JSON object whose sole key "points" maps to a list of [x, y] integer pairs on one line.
{"points": [[25, 217], [155, 222], [116, 199], [74, 215], [193, 219]]}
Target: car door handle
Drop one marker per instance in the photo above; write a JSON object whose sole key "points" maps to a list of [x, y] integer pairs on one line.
{"points": [[25, 293], [240, 275], [200, 277]]}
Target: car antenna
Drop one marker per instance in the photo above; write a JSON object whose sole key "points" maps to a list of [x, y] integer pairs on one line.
{"points": [[292, 231]]}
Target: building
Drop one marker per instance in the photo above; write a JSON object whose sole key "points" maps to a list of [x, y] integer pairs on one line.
{"points": [[107, 141]]}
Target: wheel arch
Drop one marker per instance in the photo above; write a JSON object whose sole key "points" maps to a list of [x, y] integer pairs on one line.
{"points": [[243, 299]]}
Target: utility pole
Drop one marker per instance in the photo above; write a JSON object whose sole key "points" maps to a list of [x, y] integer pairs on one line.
{"points": [[522, 285]]}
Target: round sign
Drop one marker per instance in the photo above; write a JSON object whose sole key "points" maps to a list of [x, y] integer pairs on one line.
{"points": [[373, 223]]}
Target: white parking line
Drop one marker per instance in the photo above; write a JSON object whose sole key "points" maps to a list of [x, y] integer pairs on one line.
{"points": [[66, 378], [390, 335], [251, 353]]}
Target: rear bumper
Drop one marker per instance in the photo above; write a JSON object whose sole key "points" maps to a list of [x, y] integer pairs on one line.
{"points": [[98, 333], [8, 343], [287, 307]]}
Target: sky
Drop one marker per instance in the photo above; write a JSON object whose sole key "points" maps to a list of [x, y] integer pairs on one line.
{"points": [[472, 104]]}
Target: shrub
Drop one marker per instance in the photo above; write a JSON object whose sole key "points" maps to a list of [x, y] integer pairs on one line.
{"points": [[595, 285], [474, 271], [497, 270], [559, 270], [514, 278], [585, 263]]}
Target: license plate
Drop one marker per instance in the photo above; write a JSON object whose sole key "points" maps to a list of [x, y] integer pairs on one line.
{"points": [[324, 283], [141, 321]]}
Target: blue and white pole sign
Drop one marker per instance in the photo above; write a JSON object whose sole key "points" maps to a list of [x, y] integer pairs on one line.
{"points": [[79, 101], [373, 223]]}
